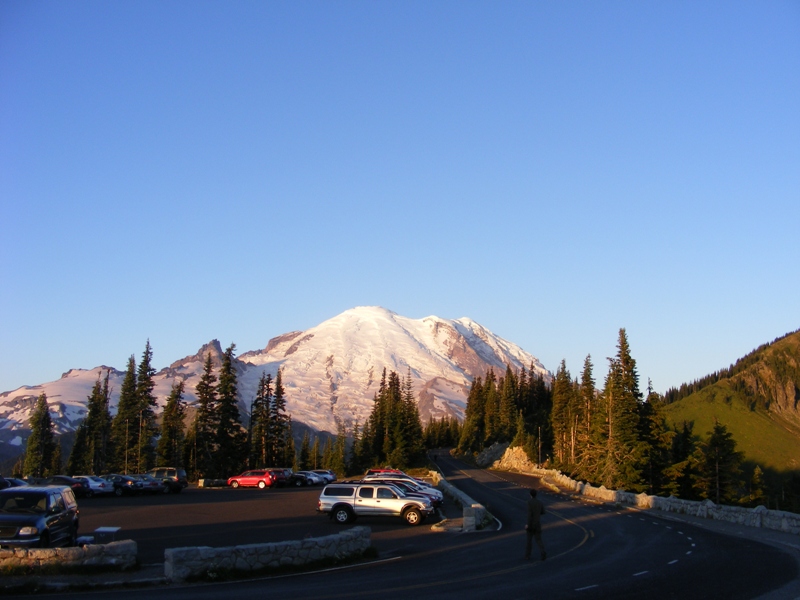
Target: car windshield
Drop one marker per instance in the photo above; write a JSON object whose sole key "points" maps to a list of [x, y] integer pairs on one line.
{"points": [[34, 503]]}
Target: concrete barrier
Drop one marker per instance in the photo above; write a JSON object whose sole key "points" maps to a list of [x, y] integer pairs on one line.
{"points": [[181, 564], [474, 514]]}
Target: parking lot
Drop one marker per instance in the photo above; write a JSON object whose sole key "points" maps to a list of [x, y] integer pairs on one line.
{"points": [[229, 517]]}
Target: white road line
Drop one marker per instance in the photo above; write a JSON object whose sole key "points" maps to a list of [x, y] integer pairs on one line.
{"points": [[672, 562], [680, 533], [688, 553], [640, 573], [588, 587]]}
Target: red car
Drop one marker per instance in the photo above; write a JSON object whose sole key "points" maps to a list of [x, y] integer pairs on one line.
{"points": [[260, 478]]}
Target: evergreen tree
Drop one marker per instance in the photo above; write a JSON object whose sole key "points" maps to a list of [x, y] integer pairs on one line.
{"points": [[679, 477], [124, 427], [615, 454], [758, 493], [509, 401], [41, 446], [720, 467], [472, 433], [304, 460], [56, 464], [316, 458], [231, 438], [280, 430], [145, 456], [338, 456], [658, 441], [79, 460], [170, 448], [561, 415], [205, 423], [91, 452], [260, 427]]}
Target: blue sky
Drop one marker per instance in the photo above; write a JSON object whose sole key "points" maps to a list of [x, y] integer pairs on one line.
{"points": [[186, 171]]}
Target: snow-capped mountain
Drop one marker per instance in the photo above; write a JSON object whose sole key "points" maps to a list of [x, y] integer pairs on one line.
{"points": [[330, 372]]}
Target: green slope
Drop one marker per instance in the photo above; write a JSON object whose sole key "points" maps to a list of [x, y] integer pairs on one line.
{"points": [[758, 400], [765, 439]]}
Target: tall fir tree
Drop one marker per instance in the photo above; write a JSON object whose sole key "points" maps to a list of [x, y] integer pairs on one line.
{"points": [[260, 428], [91, 452], [204, 430], [145, 456], [304, 460], [125, 425], [280, 429], [170, 450], [720, 469], [231, 439], [616, 454], [41, 445]]}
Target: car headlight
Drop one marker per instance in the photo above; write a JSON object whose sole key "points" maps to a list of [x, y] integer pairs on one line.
{"points": [[28, 530]]}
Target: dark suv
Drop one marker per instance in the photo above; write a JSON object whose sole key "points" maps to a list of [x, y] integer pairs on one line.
{"points": [[38, 517], [172, 477]]}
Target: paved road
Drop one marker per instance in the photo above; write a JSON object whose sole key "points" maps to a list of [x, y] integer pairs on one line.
{"points": [[594, 551]]}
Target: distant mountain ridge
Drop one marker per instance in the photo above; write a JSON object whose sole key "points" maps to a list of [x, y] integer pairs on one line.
{"points": [[757, 399], [331, 372]]}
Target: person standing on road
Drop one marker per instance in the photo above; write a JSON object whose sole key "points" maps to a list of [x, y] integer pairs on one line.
{"points": [[533, 528]]}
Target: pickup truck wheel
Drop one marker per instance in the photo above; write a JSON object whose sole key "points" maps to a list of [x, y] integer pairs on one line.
{"points": [[343, 515], [413, 516]]}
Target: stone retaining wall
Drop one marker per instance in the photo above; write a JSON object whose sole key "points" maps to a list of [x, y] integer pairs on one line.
{"points": [[181, 564], [515, 459], [121, 555]]}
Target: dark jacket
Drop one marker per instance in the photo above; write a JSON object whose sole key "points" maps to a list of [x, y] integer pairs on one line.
{"points": [[535, 511]]}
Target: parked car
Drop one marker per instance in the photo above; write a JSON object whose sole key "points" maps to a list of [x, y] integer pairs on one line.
{"points": [[79, 488], [173, 478], [279, 477], [328, 475], [344, 502], [311, 477], [124, 485], [260, 478], [38, 517], [385, 470], [409, 487], [150, 485], [16, 482], [97, 485]]}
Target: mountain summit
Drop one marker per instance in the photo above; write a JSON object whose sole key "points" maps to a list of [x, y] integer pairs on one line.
{"points": [[331, 372]]}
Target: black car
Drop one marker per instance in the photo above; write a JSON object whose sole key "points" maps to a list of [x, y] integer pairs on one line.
{"points": [[125, 485], [38, 517], [80, 488]]}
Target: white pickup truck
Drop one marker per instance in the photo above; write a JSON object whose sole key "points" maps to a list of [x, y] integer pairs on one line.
{"points": [[345, 501]]}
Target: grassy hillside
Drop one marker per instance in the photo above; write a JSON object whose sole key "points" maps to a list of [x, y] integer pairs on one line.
{"points": [[766, 439], [757, 399]]}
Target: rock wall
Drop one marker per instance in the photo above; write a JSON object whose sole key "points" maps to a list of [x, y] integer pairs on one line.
{"points": [[515, 459], [121, 555], [181, 564]]}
